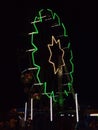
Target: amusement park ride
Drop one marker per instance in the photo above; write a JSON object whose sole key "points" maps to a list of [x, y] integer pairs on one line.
{"points": [[48, 79]]}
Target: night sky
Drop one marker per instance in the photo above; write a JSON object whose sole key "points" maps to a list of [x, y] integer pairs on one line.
{"points": [[80, 21]]}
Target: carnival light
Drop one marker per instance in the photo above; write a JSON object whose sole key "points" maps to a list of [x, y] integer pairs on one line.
{"points": [[50, 58], [56, 40]]}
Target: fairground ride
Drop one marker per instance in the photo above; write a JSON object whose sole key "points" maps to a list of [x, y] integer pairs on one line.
{"points": [[49, 77]]}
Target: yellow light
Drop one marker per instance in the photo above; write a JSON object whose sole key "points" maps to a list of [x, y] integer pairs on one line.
{"points": [[59, 44]]}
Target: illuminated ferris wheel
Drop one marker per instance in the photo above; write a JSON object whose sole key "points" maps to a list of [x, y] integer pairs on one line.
{"points": [[51, 55]]}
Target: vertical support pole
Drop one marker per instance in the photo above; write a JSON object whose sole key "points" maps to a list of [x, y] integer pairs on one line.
{"points": [[25, 114], [51, 110], [77, 112], [31, 108]]}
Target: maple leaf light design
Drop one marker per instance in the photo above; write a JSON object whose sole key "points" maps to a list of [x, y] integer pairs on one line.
{"points": [[61, 62]]}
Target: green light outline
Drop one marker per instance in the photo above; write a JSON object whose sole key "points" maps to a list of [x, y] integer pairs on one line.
{"points": [[39, 18]]}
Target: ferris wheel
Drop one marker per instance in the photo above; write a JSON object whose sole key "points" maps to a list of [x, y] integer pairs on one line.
{"points": [[51, 69], [51, 57]]}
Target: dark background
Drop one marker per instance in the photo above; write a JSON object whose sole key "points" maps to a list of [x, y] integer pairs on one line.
{"points": [[79, 18]]}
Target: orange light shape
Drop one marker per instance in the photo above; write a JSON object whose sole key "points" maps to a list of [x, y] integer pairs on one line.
{"points": [[50, 58]]}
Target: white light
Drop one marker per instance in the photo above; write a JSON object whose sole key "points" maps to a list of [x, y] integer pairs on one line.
{"points": [[68, 114], [76, 102], [61, 114], [31, 108], [38, 84], [72, 115], [25, 115], [29, 50], [51, 112], [94, 114]]}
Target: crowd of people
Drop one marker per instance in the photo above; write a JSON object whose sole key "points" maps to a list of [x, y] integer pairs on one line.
{"points": [[15, 121]]}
